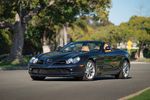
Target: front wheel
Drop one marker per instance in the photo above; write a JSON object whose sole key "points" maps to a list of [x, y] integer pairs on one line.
{"points": [[90, 71], [37, 77], [125, 70]]}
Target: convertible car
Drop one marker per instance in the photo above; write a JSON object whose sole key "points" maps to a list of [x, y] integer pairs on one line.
{"points": [[83, 60]]}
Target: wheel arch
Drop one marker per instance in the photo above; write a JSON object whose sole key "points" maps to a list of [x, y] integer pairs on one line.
{"points": [[126, 59], [94, 60]]}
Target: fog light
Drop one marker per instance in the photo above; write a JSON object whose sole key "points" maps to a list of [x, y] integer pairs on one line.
{"points": [[71, 69], [30, 69]]}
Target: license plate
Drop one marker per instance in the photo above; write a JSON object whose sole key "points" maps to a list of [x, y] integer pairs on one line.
{"points": [[35, 71]]}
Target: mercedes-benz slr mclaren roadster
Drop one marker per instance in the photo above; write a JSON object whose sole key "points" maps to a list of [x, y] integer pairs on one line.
{"points": [[82, 60]]}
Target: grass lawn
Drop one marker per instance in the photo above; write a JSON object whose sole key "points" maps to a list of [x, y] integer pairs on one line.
{"points": [[143, 96], [14, 64]]}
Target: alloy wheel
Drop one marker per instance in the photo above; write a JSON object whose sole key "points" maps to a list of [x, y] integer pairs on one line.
{"points": [[126, 69], [90, 70]]}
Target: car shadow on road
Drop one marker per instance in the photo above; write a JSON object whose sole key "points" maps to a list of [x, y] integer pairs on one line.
{"points": [[110, 78], [59, 79], [72, 79]]}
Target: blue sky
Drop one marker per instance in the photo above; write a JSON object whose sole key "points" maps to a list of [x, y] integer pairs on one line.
{"points": [[122, 10]]}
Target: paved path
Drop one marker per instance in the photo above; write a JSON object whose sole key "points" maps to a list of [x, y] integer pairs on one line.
{"points": [[17, 85]]}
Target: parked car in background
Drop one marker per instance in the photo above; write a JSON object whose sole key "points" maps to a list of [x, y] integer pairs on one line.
{"points": [[82, 60]]}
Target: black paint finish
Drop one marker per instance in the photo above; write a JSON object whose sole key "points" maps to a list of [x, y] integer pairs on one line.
{"points": [[54, 63]]}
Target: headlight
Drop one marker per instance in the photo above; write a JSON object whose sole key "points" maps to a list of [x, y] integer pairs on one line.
{"points": [[33, 60], [73, 60]]}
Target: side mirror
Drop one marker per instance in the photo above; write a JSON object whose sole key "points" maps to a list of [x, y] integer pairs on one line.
{"points": [[59, 48]]}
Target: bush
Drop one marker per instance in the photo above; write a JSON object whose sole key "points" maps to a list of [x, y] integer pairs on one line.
{"points": [[146, 53]]}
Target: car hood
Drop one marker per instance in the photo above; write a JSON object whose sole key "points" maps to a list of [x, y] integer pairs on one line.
{"points": [[59, 55]]}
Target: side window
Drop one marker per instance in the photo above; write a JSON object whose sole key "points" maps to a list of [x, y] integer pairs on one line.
{"points": [[78, 47], [93, 46], [98, 46], [74, 47], [69, 48]]}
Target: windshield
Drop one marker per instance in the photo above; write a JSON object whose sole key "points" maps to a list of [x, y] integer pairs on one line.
{"points": [[81, 46]]}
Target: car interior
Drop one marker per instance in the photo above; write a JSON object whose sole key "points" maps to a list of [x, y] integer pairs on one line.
{"points": [[85, 49]]}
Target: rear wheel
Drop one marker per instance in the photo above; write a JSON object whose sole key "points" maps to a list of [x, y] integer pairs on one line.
{"points": [[37, 77], [125, 70]]}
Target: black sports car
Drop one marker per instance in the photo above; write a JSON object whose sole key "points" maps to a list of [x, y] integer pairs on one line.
{"points": [[81, 60]]}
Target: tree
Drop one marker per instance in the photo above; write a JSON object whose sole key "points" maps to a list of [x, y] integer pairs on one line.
{"points": [[15, 15], [140, 27], [56, 18], [82, 29], [66, 14]]}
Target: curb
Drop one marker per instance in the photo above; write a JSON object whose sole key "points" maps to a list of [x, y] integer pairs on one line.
{"points": [[139, 62], [134, 94], [14, 68]]}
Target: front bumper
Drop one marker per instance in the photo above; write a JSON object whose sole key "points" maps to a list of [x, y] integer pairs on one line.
{"points": [[57, 71]]}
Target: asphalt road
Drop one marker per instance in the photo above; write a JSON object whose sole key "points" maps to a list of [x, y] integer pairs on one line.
{"points": [[17, 85]]}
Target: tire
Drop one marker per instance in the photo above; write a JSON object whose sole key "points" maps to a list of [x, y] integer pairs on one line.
{"points": [[90, 71], [124, 72], [37, 77]]}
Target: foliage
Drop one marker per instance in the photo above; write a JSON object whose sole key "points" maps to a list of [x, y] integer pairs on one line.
{"points": [[15, 64], [5, 41], [63, 12], [140, 26], [137, 30], [47, 15]]}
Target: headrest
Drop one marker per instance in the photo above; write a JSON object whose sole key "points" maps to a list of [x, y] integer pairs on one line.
{"points": [[85, 48]]}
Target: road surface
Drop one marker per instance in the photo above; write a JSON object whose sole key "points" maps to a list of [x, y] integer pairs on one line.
{"points": [[17, 85]]}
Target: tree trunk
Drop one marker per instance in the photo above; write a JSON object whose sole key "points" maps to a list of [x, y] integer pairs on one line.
{"points": [[65, 34], [19, 28], [61, 38], [18, 40], [140, 52], [46, 47]]}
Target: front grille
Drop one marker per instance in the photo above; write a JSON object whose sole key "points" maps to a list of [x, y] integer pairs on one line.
{"points": [[60, 62], [50, 71]]}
